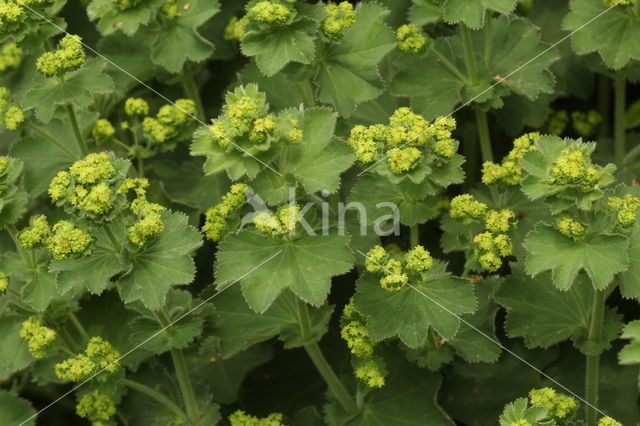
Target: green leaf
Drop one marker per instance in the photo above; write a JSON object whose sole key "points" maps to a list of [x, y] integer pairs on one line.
{"points": [[77, 88], [348, 74], [266, 266], [165, 262], [103, 262], [436, 301], [424, 12], [14, 355], [40, 289], [177, 40], [112, 18], [601, 256], [630, 279], [239, 327], [15, 410], [519, 410], [472, 12], [614, 33], [275, 48], [630, 353]]}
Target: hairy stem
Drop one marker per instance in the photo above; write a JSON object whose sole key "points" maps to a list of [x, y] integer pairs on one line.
{"points": [[191, 89], [53, 140], [469, 59], [157, 396], [78, 326], [483, 134], [619, 120], [334, 383], [414, 235], [82, 144], [604, 105], [593, 361]]}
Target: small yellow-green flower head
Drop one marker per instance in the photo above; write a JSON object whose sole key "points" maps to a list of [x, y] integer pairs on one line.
{"points": [[96, 407], [466, 207], [97, 200], [509, 173], [625, 208], [138, 185], [66, 240], [240, 418], [39, 338], [171, 9], [4, 282], [10, 12], [405, 126], [155, 131], [241, 111], [178, 114], [499, 220], [270, 13], [371, 372], [375, 258], [68, 57], [586, 123], [521, 422], [394, 279], [289, 216], [557, 405], [339, 17], [612, 3], [145, 228], [99, 355], [36, 234], [419, 259], [59, 186], [502, 244], [445, 147], [280, 224], [570, 167], [216, 217], [570, 227], [558, 122], [402, 160], [410, 38], [490, 262], [103, 130], [93, 168], [12, 117], [235, 28], [267, 223], [358, 340], [484, 241], [364, 145], [522, 145], [262, 128], [10, 57], [136, 106], [608, 421]]}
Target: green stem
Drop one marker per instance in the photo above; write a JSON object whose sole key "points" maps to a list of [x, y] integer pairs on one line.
{"points": [[79, 327], [182, 374], [154, 394], [483, 134], [114, 241], [335, 385], [13, 233], [191, 89], [53, 140], [469, 59], [593, 361], [414, 235], [450, 67], [619, 120], [604, 106], [76, 130]]}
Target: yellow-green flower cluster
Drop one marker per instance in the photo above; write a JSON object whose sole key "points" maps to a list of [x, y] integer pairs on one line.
{"points": [[272, 13], [149, 223], [170, 9], [497, 221], [280, 224], [492, 248], [4, 282], [68, 57], [36, 234], [612, 3], [558, 122], [136, 106], [216, 217], [608, 421], [586, 123], [87, 187], [354, 332], [466, 207], [235, 28], [558, 406], [11, 115], [10, 57], [66, 240], [371, 371], [10, 12], [395, 269], [39, 337], [339, 17], [404, 140], [509, 171], [240, 418], [103, 130], [410, 38], [625, 209], [169, 122], [96, 407], [573, 167], [569, 227], [99, 355]]}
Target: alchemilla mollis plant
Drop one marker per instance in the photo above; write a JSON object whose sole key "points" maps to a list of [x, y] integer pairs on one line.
{"points": [[289, 212]]}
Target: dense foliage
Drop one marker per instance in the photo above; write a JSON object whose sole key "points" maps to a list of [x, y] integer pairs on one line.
{"points": [[281, 212]]}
